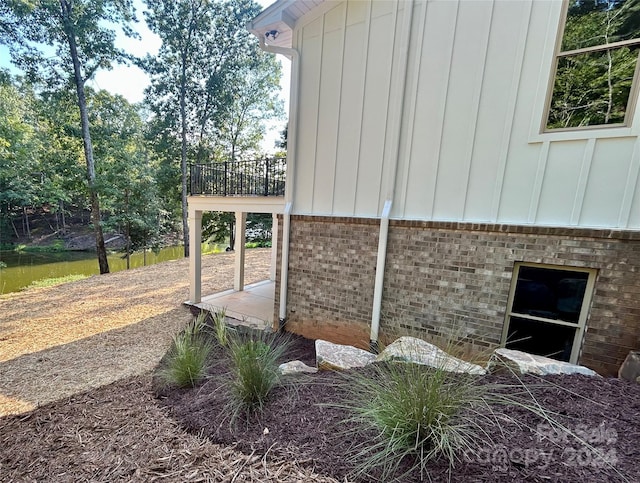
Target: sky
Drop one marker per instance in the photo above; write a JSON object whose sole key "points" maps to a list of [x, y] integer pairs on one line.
{"points": [[130, 81]]}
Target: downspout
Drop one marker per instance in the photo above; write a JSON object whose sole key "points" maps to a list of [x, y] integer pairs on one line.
{"points": [[294, 55], [396, 126]]}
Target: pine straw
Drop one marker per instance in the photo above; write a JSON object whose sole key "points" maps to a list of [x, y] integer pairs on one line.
{"points": [[58, 341], [119, 433]]}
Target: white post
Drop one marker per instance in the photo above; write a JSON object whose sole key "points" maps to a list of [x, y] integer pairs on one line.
{"points": [[195, 257], [274, 248], [241, 224]]}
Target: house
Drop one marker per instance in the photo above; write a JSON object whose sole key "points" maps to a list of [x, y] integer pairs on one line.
{"points": [[461, 164]]}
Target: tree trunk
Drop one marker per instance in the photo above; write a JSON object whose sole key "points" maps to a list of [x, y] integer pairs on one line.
{"points": [[86, 137], [64, 221], [26, 230], [183, 154]]}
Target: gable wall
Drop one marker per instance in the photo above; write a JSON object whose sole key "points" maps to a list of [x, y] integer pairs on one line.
{"points": [[468, 148]]}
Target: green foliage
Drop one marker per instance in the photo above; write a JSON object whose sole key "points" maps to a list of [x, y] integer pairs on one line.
{"points": [[255, 369], [258, 244], [416, 412], [220, 329], [593, 88], [56, 246], [186, 362], [51, 282], [2, 265]]}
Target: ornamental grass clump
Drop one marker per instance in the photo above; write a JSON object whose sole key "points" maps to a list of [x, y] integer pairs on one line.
{"points": [[220, 329], [409, 414], [186, 361], [416, 413], [255, 359]]}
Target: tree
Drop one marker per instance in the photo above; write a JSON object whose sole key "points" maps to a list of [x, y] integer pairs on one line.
{"points": [[593, 83], [204, 56], [18, 163], [127, 170], [80, 33], [254, 99]]}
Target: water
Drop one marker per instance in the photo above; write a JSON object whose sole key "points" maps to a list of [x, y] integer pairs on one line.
{"points": [[25, 267]]}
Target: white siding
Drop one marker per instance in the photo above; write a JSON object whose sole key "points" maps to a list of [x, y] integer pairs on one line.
{"points": [[468, 149]]}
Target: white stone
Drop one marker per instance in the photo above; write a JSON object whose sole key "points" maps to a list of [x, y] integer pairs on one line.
{"points": [[524, 363], [296, 367], [330, 356], [418, 351]]}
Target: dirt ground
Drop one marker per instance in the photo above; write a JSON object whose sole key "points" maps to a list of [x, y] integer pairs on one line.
{"points": [[61, 348], [57, 341]]}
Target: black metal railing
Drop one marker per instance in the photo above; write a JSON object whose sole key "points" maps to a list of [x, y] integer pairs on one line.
{"points": [[260, 177]]}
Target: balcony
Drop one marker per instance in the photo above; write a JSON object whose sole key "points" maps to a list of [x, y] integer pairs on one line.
{"points": [[260, 177]]}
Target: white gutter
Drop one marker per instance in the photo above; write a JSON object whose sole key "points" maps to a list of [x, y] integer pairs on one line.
{"points": [[396, 105], [294, 55]]}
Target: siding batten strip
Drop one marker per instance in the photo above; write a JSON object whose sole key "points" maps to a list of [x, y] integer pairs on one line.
{"points": [[543, 156], [411, 118], [583, 179], [315, 141], [630, 187], [525, 23], [335, 160], [432, 182], [367, 28], [474, 124]]}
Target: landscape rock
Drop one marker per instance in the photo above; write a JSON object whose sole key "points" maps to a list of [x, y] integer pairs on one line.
{"points": [[524, 363], [418, 351], [330, 356], [296, 367], [630, 368]]}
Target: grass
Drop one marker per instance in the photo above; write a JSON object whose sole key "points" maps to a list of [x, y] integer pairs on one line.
{"points": [[186, 362], [220, 329], [255, 369], [51, 282], [418, 413]]}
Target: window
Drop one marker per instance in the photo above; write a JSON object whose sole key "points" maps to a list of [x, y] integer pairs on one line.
{"points": [[548, 309], [595, 75]]}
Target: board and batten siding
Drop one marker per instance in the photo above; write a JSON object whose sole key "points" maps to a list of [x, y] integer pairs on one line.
{"points": [[468, 148]]}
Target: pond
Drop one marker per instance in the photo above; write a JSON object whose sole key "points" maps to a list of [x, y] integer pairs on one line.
{"points": [[23, 268]]}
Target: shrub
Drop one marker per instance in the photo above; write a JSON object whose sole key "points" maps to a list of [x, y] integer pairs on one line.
{"points": [[186, 361], [255, 369]]}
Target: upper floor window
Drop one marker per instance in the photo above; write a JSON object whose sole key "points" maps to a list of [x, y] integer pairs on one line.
{"points": [[595, 75]]}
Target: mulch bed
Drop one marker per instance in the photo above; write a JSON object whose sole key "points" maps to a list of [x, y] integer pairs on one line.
{"points": [[302, 423]]}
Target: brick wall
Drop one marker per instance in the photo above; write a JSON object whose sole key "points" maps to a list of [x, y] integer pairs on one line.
{"points": [[442, 277], [331, 277]]}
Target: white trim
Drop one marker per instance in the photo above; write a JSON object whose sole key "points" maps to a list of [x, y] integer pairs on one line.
{"points": [[248, 204], [195, 255], [239, 246]]}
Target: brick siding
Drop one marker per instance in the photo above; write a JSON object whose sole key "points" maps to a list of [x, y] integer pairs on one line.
{"points": [[453, 277]]}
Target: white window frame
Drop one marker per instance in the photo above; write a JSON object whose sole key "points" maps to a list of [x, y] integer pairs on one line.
{"points": [[580, 326], [540, 133]]}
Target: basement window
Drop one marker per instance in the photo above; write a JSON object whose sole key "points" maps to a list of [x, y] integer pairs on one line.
{"points": [[595, 81], [547, 310]]}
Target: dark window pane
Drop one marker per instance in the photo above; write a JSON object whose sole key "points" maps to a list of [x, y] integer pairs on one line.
{"points": [[541, 338], [592, 89], [549, 293], [598, 22]]}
